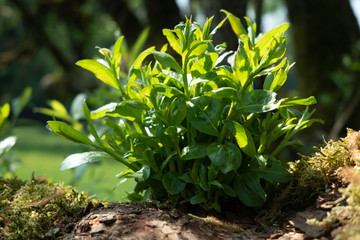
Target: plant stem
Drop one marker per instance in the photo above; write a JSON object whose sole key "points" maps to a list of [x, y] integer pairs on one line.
{"points": [[118, 158], [231, 116]]}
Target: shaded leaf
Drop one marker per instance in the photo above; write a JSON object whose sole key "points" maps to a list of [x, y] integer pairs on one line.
{"points": [[172, 183], [227, 157], [204, 114]]}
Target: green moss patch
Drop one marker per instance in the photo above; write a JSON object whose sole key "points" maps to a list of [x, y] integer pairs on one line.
{"points": [[38, 209]]}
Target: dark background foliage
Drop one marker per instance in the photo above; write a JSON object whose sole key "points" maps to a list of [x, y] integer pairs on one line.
{"points": [[40, 40]]}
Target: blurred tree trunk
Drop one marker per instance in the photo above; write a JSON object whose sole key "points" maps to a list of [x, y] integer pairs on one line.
{"points": [[212, 8], [322, 31]]}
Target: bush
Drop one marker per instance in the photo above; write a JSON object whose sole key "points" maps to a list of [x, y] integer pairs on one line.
{"points": [[196, 131]]}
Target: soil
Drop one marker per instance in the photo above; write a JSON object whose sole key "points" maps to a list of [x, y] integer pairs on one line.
{"points": [[139, 220]]}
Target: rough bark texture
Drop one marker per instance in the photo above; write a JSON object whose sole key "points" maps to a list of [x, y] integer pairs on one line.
{"points": [[147, 221]]}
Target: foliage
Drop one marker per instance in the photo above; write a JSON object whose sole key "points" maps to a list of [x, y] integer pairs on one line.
{"points": [[8, 162], [196, 131], [35, 210]]}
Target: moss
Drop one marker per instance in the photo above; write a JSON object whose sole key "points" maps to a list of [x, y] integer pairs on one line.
{"points": [[309, 175], [38, 209]]}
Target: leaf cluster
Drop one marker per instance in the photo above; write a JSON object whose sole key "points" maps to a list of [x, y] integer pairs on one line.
{"points": [[191, 127]]}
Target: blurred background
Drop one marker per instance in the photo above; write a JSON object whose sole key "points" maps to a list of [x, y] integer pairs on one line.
{"points": [[40, 41]]}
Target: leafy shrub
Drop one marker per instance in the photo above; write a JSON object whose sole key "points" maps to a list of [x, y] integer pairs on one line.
{"points": [[196, 131]]}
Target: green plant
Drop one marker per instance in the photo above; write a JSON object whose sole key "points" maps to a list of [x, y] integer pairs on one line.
{"points": [[196, 131], [8, 162]]}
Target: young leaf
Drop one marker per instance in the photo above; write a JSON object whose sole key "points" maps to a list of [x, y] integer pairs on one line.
{"points": [[101, 72], [243, 137], [78, 159], [117, 56], [264, 43], [298, 101], [235, 23], [173, 41], [204, 65], [226, 157]]}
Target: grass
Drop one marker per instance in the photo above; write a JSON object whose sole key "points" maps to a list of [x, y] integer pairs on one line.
{"points": [[42, 152]]}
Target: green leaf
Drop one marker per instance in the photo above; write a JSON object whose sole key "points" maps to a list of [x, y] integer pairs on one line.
{"points": [[203, 181], [197, 199], [258, 101], [235, 23], [126, 110], [229, 190], [161, 88], [142, 175], [226, 157], [278, 81], [20, 102], [4, 114], [204, 114], [298, 101], [117, 56], [78, 159], [101, 72], [7, 144], [178, 111], [249, 191], [243, 137], [166, 60], [204, 65], [101, 112], [274, 171], [197, 48], [172, 183], [138, 62], [91, 125], [63, 130], [173, 41], [194, 151], [224, 92], [264, 43]]}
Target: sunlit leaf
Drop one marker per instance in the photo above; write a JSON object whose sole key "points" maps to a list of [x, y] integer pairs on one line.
{"points": [[101, 72], [78, 159]]}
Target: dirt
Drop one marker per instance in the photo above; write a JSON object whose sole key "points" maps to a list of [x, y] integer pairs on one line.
{"points": [[147, 221]]}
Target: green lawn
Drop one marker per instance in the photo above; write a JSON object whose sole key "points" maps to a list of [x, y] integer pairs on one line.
{"points": [[42, 152]]}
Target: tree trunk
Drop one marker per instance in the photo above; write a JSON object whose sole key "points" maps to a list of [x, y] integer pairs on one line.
{"points": [[322, 31]]}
